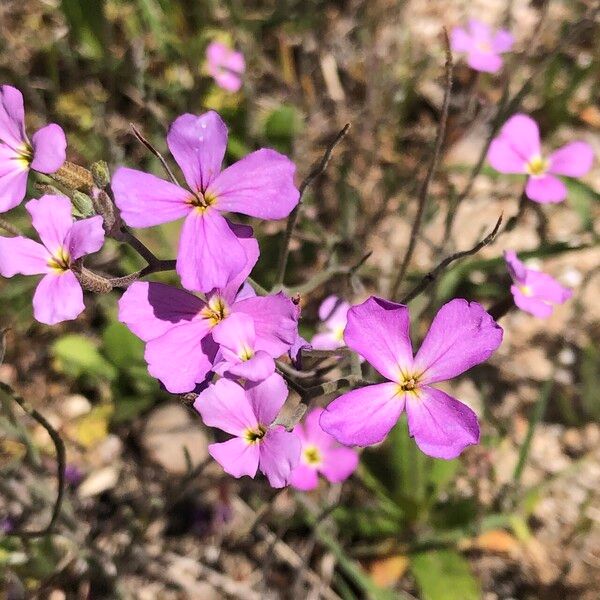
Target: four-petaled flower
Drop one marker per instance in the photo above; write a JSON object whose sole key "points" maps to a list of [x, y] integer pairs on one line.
{"points": [[225, 66], [518, 150], [333, 313], [58, 296], [320, 454], [248, 414], [533, 291], [482, 45], [461, 335], [45, 152], [260, 185]]}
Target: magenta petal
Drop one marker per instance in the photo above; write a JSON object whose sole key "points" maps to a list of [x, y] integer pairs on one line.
{"points": [[484, 61], [260, 185], [530, 304], [51, 218], [209, 254], [516, 268], [379, 331], [364, 416], [145, 200], [279, 455], [547, 189], [151, 309], [198, 145], [328, 306], [326, 341], [505, 158], [441, 425], [259, 367], [236, 456], [49, 149], [460, 40], [225, 405], [304, 477], [85, 237], [546, 288], [225, 65], [13, 183], [523, 136], [244, 235], [58, 298], [267, 398], [502, 41], [313, 432], [461, 335], [22, 255], [12, 116], [573, 160], [236, 333], [339, 464], [187, 346]]}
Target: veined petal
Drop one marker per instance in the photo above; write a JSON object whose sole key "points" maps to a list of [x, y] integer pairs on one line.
{"points": [[58, 298], [258, 368], [236, 456], [49, 149], [13, 185], [279, 455], [573, 160], [12, 116], [339, 464], [267, 398], [85, 237], [22, 255], [51, 217], [236, 333], [547, 189], [244, 235]]}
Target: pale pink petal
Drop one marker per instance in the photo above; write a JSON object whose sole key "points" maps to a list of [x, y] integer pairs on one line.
{"points": [[304, 477], [244, 234], [546, 287], [441, 425], [516, 268], [260, 185], [58, 298], [364, 416], [22, 255], [236, 333], [198, 144], [225, 65], [504, 158], [236, 456], [502, 41], [209, 255], [460, 40], [547, 189], [85, 237], [51, 218], [461, 335], [146, 200], [13, 183], [12, 116], [279, 455], [267, 398], [484, 61], [530, 304], [313, 432], [573, 160], [339, 464], [379, 331], [328, 306], [49, 149], [523, 135], [258, 368]]}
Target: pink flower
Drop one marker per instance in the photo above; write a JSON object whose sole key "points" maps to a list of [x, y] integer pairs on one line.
{"points": [[58, 296], [248, 414], [320, 454], [534, 292], [45, 152], [518, 150], [260, 185], [225, 66], [332, 312], [461, 335], [482, 46]]}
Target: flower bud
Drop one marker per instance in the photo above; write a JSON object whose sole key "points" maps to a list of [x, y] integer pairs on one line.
{"points": [[83, 204], [100, 174]]}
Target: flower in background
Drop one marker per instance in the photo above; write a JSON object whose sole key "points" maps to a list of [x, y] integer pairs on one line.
{"points": [[248, 414], [45, 152], [461, 335], [260, 185], [225, 66], [533, 291], [58, 296], [518, 150], [333, 313], [482, 45], [320, 454]]}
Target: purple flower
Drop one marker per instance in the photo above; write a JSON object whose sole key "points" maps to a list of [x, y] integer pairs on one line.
{"points": [[260, 185], [534, 292], [248, 414], [461, 335], [320, 454], [45, 152], [58, 296], [482, 46], [518, 150], [225, 66], [333, 313]]}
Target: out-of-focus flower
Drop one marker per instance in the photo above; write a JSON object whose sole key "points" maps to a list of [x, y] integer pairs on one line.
{"points": [[482, 45], [461, 335], [320, 454], [225, 66], [518, 150], [248, 414], [333, 313], [45, 152], [58, 296], [533, 291]]}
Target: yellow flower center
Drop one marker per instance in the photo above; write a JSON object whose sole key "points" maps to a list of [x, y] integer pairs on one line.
{"points": [[537, 166], [311, 455], [408, 383], [246, 353], [24, 155], [60, 262], [338, 333], [526, 290], [201, 202], [215, 311], [484, 47], [253, 436]]}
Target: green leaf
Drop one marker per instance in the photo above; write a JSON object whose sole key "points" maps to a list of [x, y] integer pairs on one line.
{"points": [[444, 575], [120, 346], [582, 198], [78, 356], [129, 407], [281, 126]]}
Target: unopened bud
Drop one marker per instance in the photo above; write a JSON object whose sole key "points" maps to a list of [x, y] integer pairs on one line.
{"points": [[83, 204], [100, 174]]}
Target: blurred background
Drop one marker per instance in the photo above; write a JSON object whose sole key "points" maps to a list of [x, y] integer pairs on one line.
{"points": [[144, 515]]}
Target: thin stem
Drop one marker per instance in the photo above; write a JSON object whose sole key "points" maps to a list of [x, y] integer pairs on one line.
{"points": [[138, 246], [9, 227], [149, 146]]}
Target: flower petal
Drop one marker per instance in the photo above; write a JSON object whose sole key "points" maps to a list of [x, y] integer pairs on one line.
{"points": [[522, 135], [460, 40], [146, 200], [236, 333], [379, 331], [546, 287], [260, 185], [441, 425], [209, 255], [12, 116], [516, 268], [530, 304], [461, 335], [258, 368], [236, 456], [267, 398], [326, 341], [51, 218], [49, 149], [304, 477], [364, 416], [58, 298], [13, 182], [504, 158], [548, 189], [573, 160], [313, 432], [339, 464], [279, 455], [502, 41], [198, 145], [22, 255], [225, 65], [85, 237], [484, 61], [244, 235]]}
